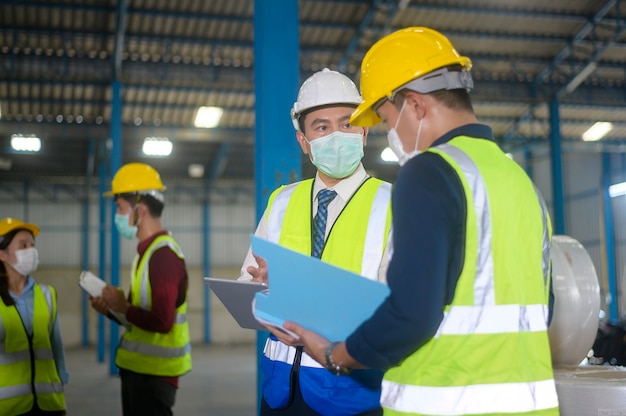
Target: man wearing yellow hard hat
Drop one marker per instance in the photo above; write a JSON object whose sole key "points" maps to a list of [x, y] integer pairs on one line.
{"points": [[32, 360], [464, 329], [156, 350]]}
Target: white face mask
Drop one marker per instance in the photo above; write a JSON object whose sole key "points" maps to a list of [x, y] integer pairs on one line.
{"points": [[27, 261], [395, 144]]}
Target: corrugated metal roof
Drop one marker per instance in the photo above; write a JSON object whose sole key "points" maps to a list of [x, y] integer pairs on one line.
{"points": [[56, 69]]}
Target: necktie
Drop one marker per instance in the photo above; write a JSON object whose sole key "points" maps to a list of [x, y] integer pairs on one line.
{"points": [[319, 222]]}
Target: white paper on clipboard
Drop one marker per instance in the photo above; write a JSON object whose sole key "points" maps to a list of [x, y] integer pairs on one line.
{"points": [[93, 285]]}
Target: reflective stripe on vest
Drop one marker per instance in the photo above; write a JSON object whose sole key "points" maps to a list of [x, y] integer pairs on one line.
{"points": [[463, 324], [149, 352], [16, 395], [514, 398]]}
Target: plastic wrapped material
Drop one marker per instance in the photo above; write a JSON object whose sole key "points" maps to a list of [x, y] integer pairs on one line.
{"points": [[577, 302], [591, 390]]}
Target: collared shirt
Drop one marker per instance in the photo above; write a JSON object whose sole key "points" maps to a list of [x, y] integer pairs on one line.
{"points": [[25, 304], [345, 189]]}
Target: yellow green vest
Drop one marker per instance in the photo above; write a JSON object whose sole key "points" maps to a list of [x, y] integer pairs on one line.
{"points": [[16, 378], [354, 242], [490, 355], [148, 352]]}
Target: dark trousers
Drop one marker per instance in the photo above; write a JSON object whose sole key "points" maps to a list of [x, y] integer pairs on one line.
{"points": [[36, 411], [298, 407], [144, 395]]}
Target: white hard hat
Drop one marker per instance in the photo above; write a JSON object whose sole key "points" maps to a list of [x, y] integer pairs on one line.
{"points": [[323, 88]]}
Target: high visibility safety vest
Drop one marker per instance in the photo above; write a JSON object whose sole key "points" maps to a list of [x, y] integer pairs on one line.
{"points": [[490, 354], [148, 352], [356, 242], [20, 386]]}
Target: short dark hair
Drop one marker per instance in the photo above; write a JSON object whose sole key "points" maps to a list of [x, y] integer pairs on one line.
{"points": [[458, 99], [155, 207]]}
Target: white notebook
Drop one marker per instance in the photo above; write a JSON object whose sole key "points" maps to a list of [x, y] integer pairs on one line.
{"points": [[93, 285]]}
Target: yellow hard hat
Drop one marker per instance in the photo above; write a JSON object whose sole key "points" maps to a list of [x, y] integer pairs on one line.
{"points": [[135, 178], [9, 224], [398, 58]]}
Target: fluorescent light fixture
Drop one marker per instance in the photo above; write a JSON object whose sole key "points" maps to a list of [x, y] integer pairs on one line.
{"points": [[208, 117], [597, 131], [157, 146], [388, 155], [580, 77], [195, 170], [28, 143], [618, 189]]}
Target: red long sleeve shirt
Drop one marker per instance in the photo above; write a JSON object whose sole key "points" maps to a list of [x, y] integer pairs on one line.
{"points": [[169, 281]]}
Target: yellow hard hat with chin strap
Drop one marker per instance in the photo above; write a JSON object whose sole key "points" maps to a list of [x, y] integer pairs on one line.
{"points": [[137, 178], [402, 57]]}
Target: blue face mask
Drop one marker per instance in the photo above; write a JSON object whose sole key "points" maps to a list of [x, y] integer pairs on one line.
{"points": [[123, 227], [338, 154]]}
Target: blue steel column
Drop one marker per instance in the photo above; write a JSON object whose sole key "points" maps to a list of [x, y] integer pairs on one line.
{"points": [[276, 82], [557, 168], [609, 235], [116, 162], [121, 12], [85, 245], [102, 257]]}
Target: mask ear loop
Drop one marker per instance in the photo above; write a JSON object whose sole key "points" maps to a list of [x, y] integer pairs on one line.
{"points": [[419, 133], [134, 208]]}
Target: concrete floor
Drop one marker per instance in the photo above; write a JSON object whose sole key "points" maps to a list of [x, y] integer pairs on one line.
{"points": [[222, 383]]}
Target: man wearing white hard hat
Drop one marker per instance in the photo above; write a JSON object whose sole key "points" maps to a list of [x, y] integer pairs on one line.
{"points": [[341, 216]]}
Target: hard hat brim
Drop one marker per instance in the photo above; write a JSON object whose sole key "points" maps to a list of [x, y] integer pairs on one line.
{"points": [[365, 116], [19, 225]]}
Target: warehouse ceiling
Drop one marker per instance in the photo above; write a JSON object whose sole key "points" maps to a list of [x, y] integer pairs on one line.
{"points": [[57, 67]]}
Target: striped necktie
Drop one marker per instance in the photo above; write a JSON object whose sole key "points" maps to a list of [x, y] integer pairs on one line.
{"points": [[324, 197]]}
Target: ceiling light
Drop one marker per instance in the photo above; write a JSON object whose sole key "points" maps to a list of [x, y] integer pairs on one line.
{"points": [[388, 155], [195, 170], [597, 131], [208, 117], [157, 146], [618, 189], [28, 143]]}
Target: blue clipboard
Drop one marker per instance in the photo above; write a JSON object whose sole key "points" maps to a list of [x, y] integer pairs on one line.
{"points": [[316, 295]]}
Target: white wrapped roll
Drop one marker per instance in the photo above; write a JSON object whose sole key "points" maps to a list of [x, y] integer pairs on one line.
{"points": [[576, 302], [586, 391]]}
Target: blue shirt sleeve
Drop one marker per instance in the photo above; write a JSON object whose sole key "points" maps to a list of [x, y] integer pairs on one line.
{"points": [[428, 232], [58, 352]]}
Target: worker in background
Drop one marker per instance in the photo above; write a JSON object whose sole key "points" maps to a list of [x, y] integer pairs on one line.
{"points": [[464, 329], [342, 216], [32, 360], [156, 350]]}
